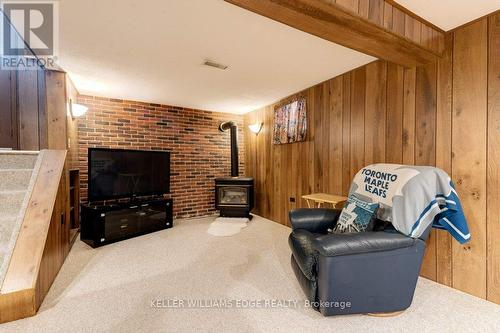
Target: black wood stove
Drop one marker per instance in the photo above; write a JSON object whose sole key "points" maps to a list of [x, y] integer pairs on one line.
{"points": [[234, 196]]}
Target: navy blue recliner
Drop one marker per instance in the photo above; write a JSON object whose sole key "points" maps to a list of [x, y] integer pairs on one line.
{"points": [[367, 272]]}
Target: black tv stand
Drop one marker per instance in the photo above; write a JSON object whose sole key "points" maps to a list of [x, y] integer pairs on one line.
{"points": [[110, 223]]}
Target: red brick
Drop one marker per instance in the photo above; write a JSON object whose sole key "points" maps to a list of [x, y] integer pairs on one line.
{"points": [[200, 152]]}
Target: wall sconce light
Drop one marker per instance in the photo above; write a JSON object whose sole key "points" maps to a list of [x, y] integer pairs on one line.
{"points": [[256, 128], [77, 110]]}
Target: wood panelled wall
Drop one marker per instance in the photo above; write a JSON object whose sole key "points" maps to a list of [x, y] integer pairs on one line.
{"points": [[399, 20], [445, 114]]}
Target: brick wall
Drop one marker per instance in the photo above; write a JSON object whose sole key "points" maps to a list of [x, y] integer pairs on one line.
{"points": [[199, 152]]}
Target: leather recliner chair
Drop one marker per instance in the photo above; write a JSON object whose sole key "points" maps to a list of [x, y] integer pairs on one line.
{"points": [[366, 272]]}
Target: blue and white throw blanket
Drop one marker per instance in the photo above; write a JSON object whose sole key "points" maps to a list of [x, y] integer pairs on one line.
{"points": [[412, 198]]}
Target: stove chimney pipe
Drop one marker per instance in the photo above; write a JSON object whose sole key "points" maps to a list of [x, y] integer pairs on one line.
{"points": [[230, 125]]}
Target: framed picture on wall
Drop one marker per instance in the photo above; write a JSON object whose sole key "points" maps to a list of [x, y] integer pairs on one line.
{"points": [[290, 121]]}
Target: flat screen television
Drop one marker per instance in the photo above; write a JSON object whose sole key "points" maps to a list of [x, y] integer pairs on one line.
{"points": [[118, 173]]}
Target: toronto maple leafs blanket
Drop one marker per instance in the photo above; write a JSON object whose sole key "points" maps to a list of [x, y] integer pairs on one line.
{"points": [[412, 198]]}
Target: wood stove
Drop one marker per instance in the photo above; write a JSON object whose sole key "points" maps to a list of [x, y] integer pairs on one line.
{"points": [[234, 196]]}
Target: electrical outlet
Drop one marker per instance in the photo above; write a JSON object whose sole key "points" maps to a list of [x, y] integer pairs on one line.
{"points": [[292, 199]]}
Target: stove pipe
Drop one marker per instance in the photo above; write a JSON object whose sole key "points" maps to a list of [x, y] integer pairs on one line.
{"points": [[230, 125]]}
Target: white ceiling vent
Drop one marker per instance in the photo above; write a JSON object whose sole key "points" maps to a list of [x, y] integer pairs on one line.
{"points": [[215, 64]]}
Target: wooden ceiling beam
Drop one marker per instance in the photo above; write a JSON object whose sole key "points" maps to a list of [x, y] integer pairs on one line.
{"points": [[327, 20]]}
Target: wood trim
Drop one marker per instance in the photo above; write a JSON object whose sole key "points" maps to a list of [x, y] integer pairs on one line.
{"points": [[339, 25], [57, 243], [42, 244], [493, 180], [27, 256]]}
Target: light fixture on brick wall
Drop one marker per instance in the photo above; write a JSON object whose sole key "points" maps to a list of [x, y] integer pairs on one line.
{"points": [[77, 110], [256, 128]]}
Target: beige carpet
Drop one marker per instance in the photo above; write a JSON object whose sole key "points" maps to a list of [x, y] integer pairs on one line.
{"points": [[110, 289]]}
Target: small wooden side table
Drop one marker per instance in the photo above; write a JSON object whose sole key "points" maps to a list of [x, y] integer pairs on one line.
{"points": [[315, 200]]}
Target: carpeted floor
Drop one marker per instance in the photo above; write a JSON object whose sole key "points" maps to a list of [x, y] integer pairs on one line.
{"points": [[111, 289]]}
